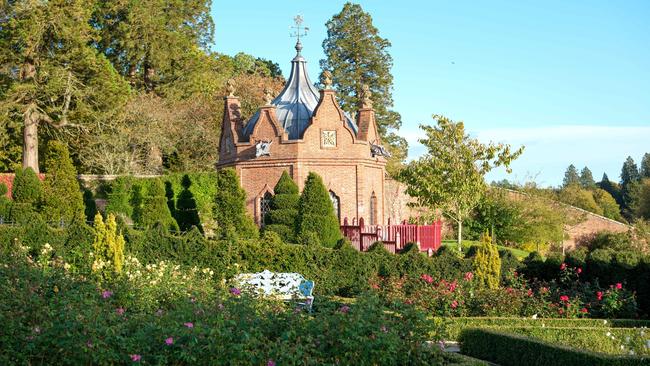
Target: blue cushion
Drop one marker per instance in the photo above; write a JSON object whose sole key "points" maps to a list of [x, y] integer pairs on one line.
{"points": [[306, 287]]}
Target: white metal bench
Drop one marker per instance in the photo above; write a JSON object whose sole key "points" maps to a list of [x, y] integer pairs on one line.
{"points": [[285, 286]]}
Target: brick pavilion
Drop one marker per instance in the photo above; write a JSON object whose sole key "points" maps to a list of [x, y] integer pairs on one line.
{"points": [[304, 130]]}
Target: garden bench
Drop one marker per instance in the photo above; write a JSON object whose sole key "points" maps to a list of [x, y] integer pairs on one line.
{"points": [[285, 286]]}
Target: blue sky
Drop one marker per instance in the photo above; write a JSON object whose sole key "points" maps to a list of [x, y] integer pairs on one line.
{"points": [[570, 80]]}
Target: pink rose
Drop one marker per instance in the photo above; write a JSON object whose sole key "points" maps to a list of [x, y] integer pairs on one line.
{"points": [[135, 358], [454, 304], [169, 341], [619, 286]]}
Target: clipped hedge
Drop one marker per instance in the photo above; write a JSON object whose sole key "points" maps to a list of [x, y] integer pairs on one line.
{"points": [[514, 350], [457, 325]]}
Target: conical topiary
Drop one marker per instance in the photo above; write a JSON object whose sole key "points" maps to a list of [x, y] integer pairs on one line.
{"points": [[282, 216], [487, 264], [187, 214], [155, 209], [230, 207], [62, 197], [316, 212], [26, 194]]}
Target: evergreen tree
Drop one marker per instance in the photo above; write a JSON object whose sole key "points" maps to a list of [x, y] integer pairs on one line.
{"points": [[356, 55], [230, 207], [571, 176], [26, 194], [612, 188], [630, 178], [587, 179], [284, 209], [119, 198], [316, 212], [645, 166], [54, 77], [90, 205], [187, 213], [642, 200], [155, 210], [62, 197], [108, 248], [487, 264]]}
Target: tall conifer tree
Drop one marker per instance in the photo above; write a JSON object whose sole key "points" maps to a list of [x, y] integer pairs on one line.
{"points": [[357, 55], [284, 208], [571, 176], [62, 198], [587, 179], [644, 169]]}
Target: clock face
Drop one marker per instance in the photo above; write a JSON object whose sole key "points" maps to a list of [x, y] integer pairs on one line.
{"points": [[328, 138]]}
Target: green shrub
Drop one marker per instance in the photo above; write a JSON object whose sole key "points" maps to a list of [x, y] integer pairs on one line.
{"points": [[5, 203], [284, 208], [577, 257], [119, 197], [186, 209], [509, 263], [316, 213], [230, 207], [27, 188], [533, 265], [487, 265], [599, 265], [155, 210], [90, 206], [509, 349], [62, 196]]}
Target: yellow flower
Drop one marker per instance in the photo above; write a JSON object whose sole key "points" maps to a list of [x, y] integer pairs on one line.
{"points": [[56, 289]]}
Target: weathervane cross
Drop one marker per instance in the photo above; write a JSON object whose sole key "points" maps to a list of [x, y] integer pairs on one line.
{"points": [[300, 31]]}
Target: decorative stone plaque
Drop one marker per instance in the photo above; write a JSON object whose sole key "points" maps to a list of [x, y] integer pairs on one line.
{"points": [[328, 138]]}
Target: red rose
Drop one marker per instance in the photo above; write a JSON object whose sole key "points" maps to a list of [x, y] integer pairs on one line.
{"points": [[563, 266], [564, 298], [599, 295], [619, 286]]}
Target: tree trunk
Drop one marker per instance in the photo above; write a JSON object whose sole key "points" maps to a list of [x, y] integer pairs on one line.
{"points": [[30, 141], [460, 235]]}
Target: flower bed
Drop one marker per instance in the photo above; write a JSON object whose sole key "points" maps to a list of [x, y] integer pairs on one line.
{"points": [[514, 350]]}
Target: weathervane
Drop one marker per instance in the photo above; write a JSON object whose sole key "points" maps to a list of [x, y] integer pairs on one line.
{"points": [[300, 31]]}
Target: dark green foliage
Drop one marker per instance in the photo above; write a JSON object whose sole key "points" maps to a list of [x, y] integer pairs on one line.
{"points": [[119, 197], [514, 350], [509, 263], [90, 207], [27, 188], [534, 266], [62, 196], [316, 213], [577, 257], [5, 203], [284, 208], [587, 178], [187, 214], [230, 207], [310, 238], [155, 210], [357, 55], [571, 177], [644, 169], [608, 240]]}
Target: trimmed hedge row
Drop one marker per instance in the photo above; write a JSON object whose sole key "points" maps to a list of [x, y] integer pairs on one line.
{"points": [[457, 325], [514, 350]]}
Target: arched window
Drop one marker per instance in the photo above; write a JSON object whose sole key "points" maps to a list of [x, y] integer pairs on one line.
{"points": [[265, 207], [337, 205], [373, 209]]}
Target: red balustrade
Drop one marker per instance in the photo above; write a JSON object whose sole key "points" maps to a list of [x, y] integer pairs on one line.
{"points": [[394, 237]]}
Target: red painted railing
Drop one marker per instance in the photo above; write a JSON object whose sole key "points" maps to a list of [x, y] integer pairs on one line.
{"points": [[394, 237]]}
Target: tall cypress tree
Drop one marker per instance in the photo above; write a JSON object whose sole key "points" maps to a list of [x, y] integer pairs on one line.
{"points": [[284, 208], [62, 198], [571, 176], [316, 212], [587, 179], [187, 215], [357, 55]]}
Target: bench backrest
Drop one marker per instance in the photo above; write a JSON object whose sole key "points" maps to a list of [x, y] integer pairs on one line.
{"points": [[270, 283]]}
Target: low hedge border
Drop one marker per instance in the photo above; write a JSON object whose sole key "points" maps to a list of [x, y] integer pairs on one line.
{"points": [[456, 325], [514, 350]]}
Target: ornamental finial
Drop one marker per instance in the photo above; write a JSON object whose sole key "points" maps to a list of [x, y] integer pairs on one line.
{"points": [[300, 31], [326, 78], [268, 95], [366, 102], [230, 87]]}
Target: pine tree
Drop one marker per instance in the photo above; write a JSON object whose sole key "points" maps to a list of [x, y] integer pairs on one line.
{"points": [[645, 166], [316, 212], [571, 176], [587, 179], [487, 264], [230, 207], [187, 214], [62, 197], [284, 209], [356, 55], [155, 210]]}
